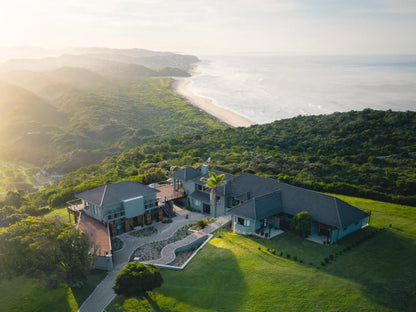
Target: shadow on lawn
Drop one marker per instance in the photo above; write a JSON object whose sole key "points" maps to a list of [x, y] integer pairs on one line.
{"points": [[386, 268], [212, 281], [384, 265]]}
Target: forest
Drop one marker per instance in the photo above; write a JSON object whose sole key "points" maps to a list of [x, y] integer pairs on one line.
{"points": [[371, 154]]}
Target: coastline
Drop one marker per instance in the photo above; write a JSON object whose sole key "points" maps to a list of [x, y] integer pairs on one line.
{"points": [[181, 86]]}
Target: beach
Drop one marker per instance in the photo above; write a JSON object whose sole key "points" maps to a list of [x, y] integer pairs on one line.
{"points": [[181, 86]]}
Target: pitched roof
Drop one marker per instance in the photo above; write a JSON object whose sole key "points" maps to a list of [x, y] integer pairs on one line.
{"points": [[322, 208], [115, 193], [260, 207], [186, 174], [248, 185]]}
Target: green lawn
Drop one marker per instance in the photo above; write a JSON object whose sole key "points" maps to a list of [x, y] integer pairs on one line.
{"points": [[60, 213], [24, 294], [232, 274]]}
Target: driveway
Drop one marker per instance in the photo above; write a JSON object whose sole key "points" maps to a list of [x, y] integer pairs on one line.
{"points": [[103, 294]]}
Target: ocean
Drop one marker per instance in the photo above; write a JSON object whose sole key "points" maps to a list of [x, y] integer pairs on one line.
{"points": [[268, 88]]}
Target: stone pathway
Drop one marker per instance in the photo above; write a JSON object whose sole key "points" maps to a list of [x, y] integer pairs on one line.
{"points": [[103, 294], [168, 254]]}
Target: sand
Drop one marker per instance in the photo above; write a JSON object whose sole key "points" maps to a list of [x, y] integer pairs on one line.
{"points": [[180, 86]]}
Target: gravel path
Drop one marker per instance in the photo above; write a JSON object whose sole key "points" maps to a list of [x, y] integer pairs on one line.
{"points": [[103, 294]]}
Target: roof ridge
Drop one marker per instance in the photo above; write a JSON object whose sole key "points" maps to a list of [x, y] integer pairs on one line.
{"points": [[104, 192], [337, 210]]}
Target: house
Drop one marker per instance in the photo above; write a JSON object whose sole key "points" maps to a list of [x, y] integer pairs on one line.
{"points": [[122, 205], [261, 206], [113, 209]]}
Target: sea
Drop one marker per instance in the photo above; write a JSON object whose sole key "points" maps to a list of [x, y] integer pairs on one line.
{"points": [[264, 88]]}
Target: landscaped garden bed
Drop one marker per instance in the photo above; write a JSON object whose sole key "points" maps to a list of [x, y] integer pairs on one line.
{"points": [[152, 251], [116, 244], [148, 231]]}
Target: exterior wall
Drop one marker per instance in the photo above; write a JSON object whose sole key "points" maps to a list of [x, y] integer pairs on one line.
{"points": [[133, 207], [188, 186], [241, 229], [340, 233], [196, 204], [220, 207], [314, 228], [93, 210], [104, 263]]}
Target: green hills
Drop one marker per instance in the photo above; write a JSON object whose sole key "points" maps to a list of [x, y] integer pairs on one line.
{"points": [[66, 112], [371, 154]]}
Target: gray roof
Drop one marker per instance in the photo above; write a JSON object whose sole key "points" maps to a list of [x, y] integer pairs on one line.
{"points": [[322, 208], [186, 174], [204, 197], [115, 193], [260, 207], [248, 185]]}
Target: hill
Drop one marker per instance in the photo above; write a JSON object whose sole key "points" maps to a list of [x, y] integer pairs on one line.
{"points": [[369, 153], [60, 117]]}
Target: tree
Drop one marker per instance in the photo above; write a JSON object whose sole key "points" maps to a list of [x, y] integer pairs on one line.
{"points": [[302, 223], [43, 248], [213, 183], [136, 279]]}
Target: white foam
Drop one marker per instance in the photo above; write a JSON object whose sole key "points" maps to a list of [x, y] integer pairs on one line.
{"points": [[264, 89]]}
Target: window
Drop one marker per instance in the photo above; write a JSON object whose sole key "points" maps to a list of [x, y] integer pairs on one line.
{"points": [[243, 222], [199, 187]]}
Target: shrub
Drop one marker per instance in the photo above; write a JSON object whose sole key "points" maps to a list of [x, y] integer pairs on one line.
{"points": [[302, 223], [202, 223], [288, 256], [167, 221]]}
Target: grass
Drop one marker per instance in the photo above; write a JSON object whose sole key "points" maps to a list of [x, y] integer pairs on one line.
{"points": [[60, 213], [25, 294], [232, 274]]}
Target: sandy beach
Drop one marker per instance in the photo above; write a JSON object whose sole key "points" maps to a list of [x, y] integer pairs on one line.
{"points": [[180, 86]]}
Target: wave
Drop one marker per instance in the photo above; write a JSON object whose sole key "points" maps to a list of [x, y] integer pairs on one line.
{"points": [[267, 88]]}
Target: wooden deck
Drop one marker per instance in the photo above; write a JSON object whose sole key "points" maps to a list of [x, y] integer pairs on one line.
{"points": [[167, 193], [99, 235]]}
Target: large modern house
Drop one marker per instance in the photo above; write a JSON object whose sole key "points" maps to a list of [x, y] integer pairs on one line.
{"points": [[122, 205], [113, 209], [260, 205]]}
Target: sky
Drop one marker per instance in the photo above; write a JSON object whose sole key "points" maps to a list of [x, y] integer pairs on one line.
{"points": [[214, 26]]}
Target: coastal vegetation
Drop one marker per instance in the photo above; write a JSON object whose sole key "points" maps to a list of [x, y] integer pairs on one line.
{"points": [[370, 154], [59, 114]]}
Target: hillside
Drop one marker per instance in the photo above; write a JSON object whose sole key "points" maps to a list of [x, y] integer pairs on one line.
{"points": [[369, 153], [60, 117]]}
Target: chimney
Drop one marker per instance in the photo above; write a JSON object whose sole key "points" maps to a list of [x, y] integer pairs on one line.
{"points": [[204, 169]]}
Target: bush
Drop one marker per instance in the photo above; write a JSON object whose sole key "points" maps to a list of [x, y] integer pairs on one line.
{"points": [[202, 223], [136, 279], [302, 223], [167, 221]]}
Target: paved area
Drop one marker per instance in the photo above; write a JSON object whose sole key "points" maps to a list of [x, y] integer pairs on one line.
{"points": [[103, 294]]}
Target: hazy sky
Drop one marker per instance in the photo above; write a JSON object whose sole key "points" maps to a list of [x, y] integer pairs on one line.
{"points": [[214, 26]]}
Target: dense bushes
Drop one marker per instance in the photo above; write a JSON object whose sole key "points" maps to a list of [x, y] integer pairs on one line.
{"points": [[370, 154]]}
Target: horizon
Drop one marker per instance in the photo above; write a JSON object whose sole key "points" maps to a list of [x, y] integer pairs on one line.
{"points": [[213, 27]]}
